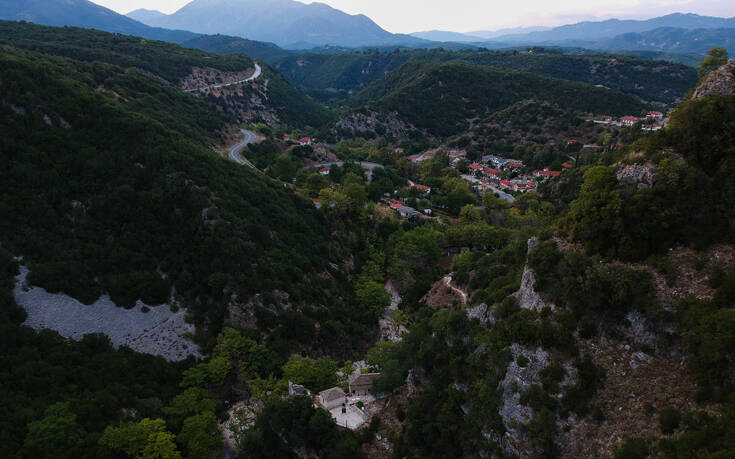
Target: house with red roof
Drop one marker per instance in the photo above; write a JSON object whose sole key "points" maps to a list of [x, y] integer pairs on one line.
{"points": [[547, 173], [566, 165], [305, 141], [505, 184], [571, 142], [394, 203], [286, 136], [324, 171], [423, 188], [629, 120], [655, 115], [490, 172], [398, 150], [515, 165]]}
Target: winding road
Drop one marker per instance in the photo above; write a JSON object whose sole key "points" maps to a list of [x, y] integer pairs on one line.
{"points": [[253, 77], [250, 137]]}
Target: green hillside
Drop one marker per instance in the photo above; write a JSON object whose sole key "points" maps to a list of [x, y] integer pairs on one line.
{"points": [[648, 79], [441, 98], [90, 146], [170, 62], [224, 44]]}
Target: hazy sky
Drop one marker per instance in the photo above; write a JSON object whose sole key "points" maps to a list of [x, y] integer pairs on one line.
{"points": [[406, 16]]}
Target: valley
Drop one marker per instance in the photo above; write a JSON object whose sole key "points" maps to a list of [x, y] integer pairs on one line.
{"points": [[381, 249]]}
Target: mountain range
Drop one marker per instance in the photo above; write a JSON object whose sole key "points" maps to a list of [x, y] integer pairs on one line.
{"points": [[287, 23], [594, 31], [83, 13]]}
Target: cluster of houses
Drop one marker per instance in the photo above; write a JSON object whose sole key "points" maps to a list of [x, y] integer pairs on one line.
{"points": [[653, 121], [486, 177]]}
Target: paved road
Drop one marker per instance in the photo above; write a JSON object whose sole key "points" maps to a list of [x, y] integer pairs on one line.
{"points": [[256, 74], [250, 137]]}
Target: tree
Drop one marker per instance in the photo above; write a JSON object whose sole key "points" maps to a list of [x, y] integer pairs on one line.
{"points": [[193, 400], [56, 435], [315, 375], [372, 297], [716, 58], [147, 439], [200, 436], [469, 214]]}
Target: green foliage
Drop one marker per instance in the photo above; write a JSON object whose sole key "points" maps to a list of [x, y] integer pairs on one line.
{"points": [[200, 437], [59, 395], [372, 297], [357, 70], [147, 439], [294, 423], [56, 435], [709, 342], [167, 60], [441, 97], [190, 402], [716, 57], [669, 419], [316, 375], [119, 196], [635, 448]]}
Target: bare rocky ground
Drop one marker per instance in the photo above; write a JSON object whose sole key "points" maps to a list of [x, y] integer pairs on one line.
{"points": [[158, 332], [634, 380], [203, 77]]}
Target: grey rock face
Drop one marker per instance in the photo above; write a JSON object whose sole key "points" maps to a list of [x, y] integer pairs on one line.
{"points": [[721, 82], [517, 380], [641, 175]]}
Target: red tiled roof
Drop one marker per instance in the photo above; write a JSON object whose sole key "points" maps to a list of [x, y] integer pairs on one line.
{"points": [[516, 165], [566, 165], [420, 187], [305, 139], [505, 182], [629, 118], [548, 173]]}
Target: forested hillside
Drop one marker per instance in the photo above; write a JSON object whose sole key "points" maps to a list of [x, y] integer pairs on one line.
{"points": [[442, 98], [275, 101], [648, 79], [88, 146]]}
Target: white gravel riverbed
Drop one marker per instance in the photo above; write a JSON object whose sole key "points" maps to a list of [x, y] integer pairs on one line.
{"points": [[157, 332]]}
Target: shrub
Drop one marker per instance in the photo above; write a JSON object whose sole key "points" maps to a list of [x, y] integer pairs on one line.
{"points": [[635, 448], [669, 419]]}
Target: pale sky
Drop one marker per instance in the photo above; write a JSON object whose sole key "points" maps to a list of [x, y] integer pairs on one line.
{"points": [[406, 16]]}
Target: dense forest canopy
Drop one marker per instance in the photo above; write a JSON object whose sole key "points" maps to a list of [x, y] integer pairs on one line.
{"points": [[441, 98], [646, 78]]}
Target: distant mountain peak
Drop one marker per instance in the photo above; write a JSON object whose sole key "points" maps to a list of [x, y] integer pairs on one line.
{"points": [[287, 23]]}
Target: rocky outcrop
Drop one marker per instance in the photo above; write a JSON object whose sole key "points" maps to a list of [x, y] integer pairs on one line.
{"points": [[720, 82], [483, 313], [371, 124], [640, 175], [527, 297], [518, 379], [390, 330]]}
